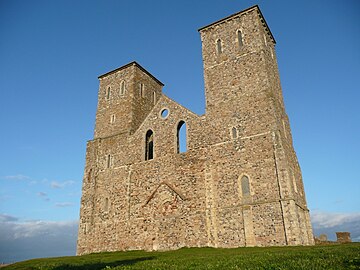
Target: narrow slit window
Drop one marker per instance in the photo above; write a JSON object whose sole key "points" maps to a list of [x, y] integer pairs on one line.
{"points": [[108, 93], [106, 205], [112, 120], [154, 97], [234, 133], [108, 161], [122, 88], [218, 46], [245, 186], [149, 145], [181, 137], [240, 38], [89, 175], [142, 90]]}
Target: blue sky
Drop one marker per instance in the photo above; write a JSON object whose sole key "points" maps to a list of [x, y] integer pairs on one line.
{"points": [[51, 53]]}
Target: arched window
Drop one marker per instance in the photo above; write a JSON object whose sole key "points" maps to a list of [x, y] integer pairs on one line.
{"points": [[149, 145], [234, 132], [122, 88], [218, 46], [181, 137], [142, 90], [108, 93], [245, 186], [239, 38]]}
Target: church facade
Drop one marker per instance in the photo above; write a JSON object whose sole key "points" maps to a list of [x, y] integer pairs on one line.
{"points": [[237, 184]]}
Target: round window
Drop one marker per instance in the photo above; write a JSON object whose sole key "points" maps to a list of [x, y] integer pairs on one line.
{"points": [[164, 113]]}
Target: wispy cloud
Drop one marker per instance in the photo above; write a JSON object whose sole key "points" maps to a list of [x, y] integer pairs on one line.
{"points": [[43, 195], [58, 185], [7, 218], [328, 223], [64, 204], [16, 177]]}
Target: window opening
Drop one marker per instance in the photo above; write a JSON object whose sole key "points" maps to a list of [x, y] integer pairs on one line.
{"points": [[108, 93], [89, 175], [218, 46], [149, 145], [112, 120], [106, 206], [154, 97], [122, 88], [181, 137], [240, 38], [245, 187], [108, 163], [234, 132], [142, 90], [164, 113]]}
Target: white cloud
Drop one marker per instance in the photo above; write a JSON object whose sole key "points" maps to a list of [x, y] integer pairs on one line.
{"points": [[31, 239], [57, 185], [16, 177], [329, 223], [326, 220], [64, 204]]}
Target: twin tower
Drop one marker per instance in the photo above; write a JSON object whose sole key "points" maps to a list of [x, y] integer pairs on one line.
{"points": [[237, 184]]}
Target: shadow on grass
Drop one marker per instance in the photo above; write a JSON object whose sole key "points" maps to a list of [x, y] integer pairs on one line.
{"points": [[101, 265]]}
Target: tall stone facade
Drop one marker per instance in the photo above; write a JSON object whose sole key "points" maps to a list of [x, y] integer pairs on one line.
{"points": [[238, 183]]}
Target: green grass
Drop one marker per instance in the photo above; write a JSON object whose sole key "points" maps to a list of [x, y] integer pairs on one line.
{"points": [[346, 256]]}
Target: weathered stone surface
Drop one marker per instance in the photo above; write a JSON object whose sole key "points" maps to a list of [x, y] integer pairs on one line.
{"points": [[239, 182], [343, 237]]}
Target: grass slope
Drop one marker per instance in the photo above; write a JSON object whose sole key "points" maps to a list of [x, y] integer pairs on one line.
{"points": [[345, 256]]}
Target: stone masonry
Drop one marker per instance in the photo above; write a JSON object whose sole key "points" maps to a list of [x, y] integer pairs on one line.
{"points": [[239, 182]]}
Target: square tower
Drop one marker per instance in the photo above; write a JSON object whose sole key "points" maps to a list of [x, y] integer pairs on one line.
{"points": [[244, 103], [126, 96]]}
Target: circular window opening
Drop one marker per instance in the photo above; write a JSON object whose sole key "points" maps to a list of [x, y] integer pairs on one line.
{"points": [[164, 113]]}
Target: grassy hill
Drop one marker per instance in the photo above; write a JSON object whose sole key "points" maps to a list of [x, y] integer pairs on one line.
{"points": [[346, 256]]}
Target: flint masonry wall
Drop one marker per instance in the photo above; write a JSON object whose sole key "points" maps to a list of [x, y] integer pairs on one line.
{"points": [[239, 182]]}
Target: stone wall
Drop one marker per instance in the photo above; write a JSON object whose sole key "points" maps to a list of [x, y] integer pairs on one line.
{"points": [[238, 183]]}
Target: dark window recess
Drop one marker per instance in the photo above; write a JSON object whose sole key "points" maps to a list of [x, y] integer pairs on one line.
{"points": [[218, 45], [108, 93], [234, 133], [122, 88], [245, 187], [149, 145], [240, 39]]}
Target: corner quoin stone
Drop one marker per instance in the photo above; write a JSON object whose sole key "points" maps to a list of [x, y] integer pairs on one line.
{"points": [[239, 182]]}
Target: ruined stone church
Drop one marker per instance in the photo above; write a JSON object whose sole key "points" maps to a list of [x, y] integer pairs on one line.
{"points": [[237, 184]]}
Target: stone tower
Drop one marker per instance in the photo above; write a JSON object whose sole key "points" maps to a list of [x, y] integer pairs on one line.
{"points": [[126, 96], [243, 93], [239, 182]]}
